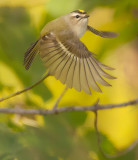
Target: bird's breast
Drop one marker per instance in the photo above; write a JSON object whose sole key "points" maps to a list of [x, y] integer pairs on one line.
{"points": [[79, 30]]}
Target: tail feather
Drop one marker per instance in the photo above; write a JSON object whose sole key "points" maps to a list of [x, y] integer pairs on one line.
{"points": [[30, 54]]}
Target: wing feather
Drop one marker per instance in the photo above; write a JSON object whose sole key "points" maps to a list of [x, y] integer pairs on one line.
{"points": [[30, 54], [53, 57], [65, 70], [83, 79], [69, 80], [54, 65], [49, 52], [72, 63], [103, 65], [96, 75], [90, 77], [99, 69], [76, 79], [61, 67], [104, 34]]}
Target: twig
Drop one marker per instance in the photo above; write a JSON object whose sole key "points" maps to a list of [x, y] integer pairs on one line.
{"points": [[24, 90], [99, 139], [59, 98], [66, 109]]}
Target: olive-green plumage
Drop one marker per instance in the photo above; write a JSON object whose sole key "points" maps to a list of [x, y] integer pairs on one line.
{"points": [[66, 57]]}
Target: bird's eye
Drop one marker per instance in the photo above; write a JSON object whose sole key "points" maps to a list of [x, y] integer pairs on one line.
{"points": [[77, 16]]}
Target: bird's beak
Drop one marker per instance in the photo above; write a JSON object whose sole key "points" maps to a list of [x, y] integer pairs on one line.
{"points": [[86, 16]]}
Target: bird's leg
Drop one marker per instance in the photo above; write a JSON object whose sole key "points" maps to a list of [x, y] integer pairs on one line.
{"points": [[59, 98]]}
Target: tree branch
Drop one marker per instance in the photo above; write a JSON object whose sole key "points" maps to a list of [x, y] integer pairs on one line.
{"points": [[120, 153], [92, 108], [25, 89]]}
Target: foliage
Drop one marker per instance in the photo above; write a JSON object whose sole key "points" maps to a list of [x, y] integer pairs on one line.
{"points": [[69, 135]]}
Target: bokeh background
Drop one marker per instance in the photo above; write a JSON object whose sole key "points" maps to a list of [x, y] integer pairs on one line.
{"points": [[68, 136]]}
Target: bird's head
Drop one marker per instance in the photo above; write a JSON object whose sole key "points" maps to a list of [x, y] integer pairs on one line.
{"points": [[78, 21]]}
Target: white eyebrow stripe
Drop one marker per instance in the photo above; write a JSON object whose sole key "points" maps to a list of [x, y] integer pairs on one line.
{"points": [[74, 14]]}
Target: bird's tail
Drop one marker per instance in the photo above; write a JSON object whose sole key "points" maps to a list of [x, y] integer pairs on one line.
{"points": [[30, 54]]}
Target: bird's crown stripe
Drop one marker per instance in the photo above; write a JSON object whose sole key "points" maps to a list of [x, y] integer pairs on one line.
{"points": [[80, 11]]}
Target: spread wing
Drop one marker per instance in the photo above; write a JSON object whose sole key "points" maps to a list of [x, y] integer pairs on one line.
{"points": [[30, 54], [72, 63], [104, 34]]}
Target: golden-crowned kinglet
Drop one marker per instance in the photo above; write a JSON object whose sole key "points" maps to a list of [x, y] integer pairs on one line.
{"points": [[66, 57]]}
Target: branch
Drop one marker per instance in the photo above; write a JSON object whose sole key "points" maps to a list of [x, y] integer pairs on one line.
{"points": [[92, 108], [120, 153], [24, 90]]}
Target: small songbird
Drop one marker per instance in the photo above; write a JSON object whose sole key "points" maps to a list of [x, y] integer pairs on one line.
{"points": [[66, 57]]}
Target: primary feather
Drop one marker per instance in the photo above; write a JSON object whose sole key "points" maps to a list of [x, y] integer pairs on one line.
{"points": [[30, 54]]}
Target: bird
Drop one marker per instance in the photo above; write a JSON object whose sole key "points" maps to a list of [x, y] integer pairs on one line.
{"points": [[66, 57]]}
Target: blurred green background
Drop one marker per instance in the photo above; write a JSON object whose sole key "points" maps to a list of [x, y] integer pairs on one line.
{"points": [[68, 136]]}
